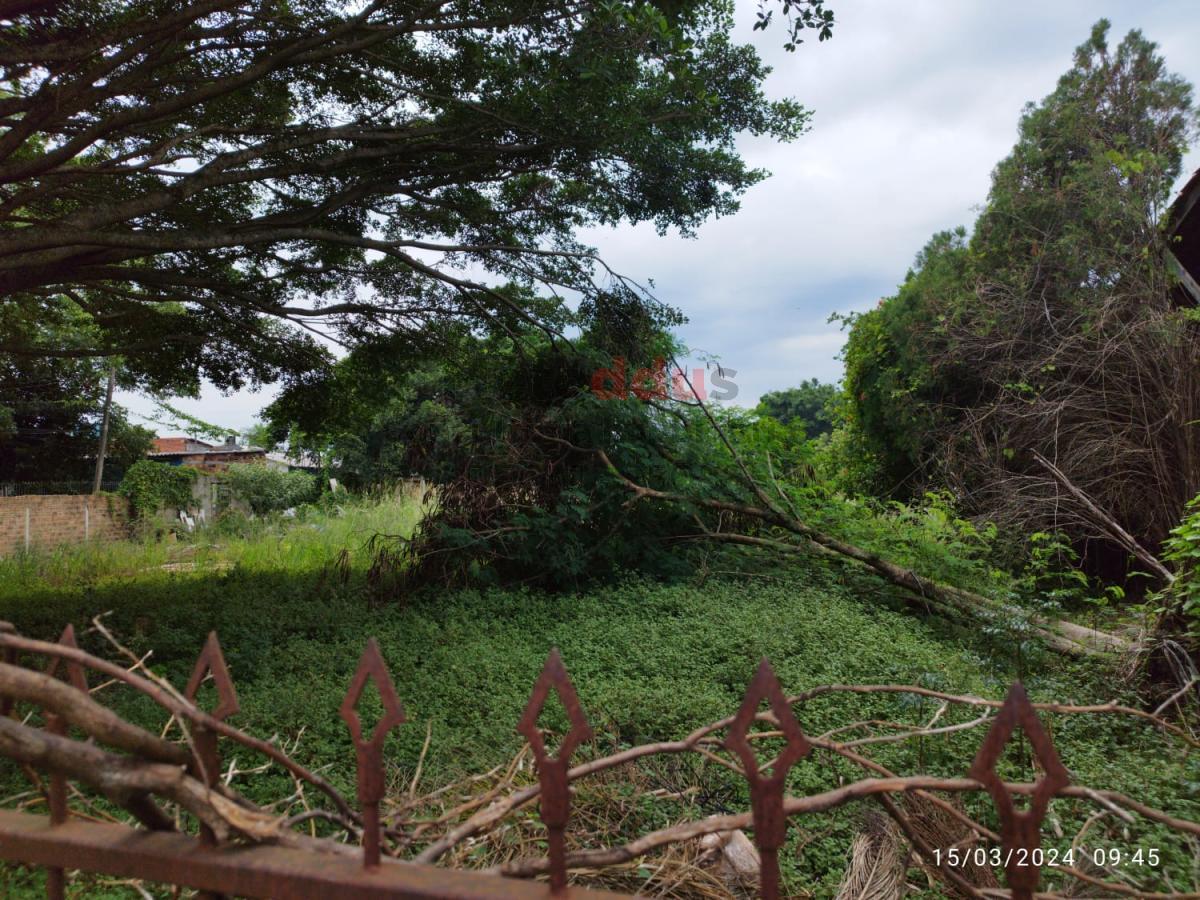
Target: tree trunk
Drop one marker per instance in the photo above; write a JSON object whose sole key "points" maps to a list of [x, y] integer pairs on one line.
{"points": [[112, 377]]}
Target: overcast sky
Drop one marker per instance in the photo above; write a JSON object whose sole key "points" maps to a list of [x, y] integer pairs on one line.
{"points": [[914, 103]]}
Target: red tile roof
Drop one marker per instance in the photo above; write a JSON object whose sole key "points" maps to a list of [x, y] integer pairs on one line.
{"points": [[177, 445]]}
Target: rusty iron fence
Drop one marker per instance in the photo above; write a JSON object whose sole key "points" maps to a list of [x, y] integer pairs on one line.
{"points": [[293, 869]]}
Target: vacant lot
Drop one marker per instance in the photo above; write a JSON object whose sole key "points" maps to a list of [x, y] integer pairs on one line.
{"points": [[650, 661]]}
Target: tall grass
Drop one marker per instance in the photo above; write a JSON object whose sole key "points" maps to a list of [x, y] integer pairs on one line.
{"points": [[301, 544]]}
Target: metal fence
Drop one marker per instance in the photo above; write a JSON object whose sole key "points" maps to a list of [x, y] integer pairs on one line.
{"points": [[240, 850]]}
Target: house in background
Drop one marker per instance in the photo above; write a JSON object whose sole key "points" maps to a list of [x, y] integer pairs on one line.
{"points": [[188, 451], [1183, 226]]}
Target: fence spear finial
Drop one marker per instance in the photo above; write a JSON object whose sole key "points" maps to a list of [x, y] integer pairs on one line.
{"points": [[369, 752], [211, 661], [766, 791], [555, 804], [1020, 832]]}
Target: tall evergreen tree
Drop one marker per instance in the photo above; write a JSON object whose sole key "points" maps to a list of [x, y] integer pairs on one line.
{"points": [[1055, 329]]}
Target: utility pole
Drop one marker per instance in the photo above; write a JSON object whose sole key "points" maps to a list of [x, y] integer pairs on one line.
{"points": [[112, 377]]}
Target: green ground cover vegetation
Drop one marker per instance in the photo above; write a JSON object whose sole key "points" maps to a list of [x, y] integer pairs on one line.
{"points": [[291, 600]]}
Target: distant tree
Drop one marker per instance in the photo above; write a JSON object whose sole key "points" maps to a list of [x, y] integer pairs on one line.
{"points": [[209, 183], [50, 412], [259, 435], [809, 403]]}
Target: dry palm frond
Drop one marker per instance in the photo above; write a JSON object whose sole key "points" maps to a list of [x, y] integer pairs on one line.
{"points": [[939, 828], [875, 869], [605, 807]]}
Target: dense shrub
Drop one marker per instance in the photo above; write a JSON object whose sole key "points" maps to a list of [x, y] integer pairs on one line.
{"points": [[1053, 327], [266, 489], [150, 486]]}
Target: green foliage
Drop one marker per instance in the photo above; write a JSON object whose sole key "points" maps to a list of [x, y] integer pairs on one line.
{"points": [[1052, 328], [810, 404], [893, 394], [268, 489], [927, 535], [844, 461], [1052, 570], [51, 409], [431, 131], [1182, 550], [152, 485], [778, 449]]}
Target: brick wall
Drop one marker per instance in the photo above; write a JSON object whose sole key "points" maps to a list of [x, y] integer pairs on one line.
{"points": [[54, 519]]}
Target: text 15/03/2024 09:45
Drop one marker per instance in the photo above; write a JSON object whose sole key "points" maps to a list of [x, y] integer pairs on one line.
{"points": [[1109, 857]]}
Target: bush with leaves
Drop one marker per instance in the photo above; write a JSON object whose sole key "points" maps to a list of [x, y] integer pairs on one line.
{"points": [[266, 489], [505, 427], [151, 486], [1181, 601]]}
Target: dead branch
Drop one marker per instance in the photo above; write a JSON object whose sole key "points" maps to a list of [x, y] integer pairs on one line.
{"points": [[181, 709], [488, 818], [79, 710], [1106, 522], [815, 803]]}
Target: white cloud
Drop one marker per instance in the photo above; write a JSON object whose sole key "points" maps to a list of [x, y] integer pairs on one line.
{"points": [[812, 342]]}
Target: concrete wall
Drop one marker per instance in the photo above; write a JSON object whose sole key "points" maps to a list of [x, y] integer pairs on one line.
{"points": [[210, 497], [50, 520]]}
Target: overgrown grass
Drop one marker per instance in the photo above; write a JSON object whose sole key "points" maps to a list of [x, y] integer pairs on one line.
{"points": [[651, 662], [298, 545]]}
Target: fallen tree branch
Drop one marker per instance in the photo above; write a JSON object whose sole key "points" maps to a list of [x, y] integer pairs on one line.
{"points": [[486, 819], [131, 783], [80, 710], [1060, 635], [815, 803], [178, 708]]}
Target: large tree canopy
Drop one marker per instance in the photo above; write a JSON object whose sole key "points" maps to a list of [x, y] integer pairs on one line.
{"points": [[210, 181]]}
